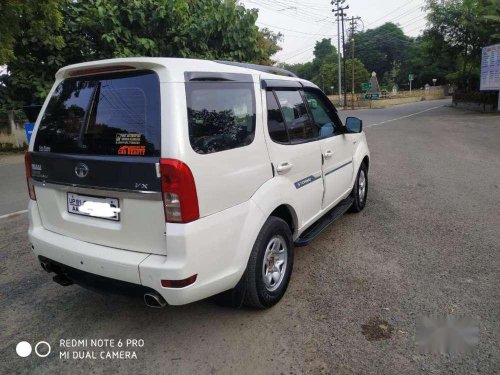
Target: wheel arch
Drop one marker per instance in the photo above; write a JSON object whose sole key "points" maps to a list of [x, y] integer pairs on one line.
{"points": [[287, 214], [366, 161]]}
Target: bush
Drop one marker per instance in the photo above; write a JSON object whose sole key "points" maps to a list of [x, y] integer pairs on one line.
{"points": [[481, 97]]}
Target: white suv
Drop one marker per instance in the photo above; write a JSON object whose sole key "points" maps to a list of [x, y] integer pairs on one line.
{"points": [[180, 179]]}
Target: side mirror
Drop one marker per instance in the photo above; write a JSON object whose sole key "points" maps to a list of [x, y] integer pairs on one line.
{"points": [[354, 125]]}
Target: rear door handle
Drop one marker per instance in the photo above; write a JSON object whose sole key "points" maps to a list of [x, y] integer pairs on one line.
{"points": [[328, 154], [284, 166]]}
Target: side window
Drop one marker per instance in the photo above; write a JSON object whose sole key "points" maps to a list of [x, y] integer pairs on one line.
{"points": [[221, 115], [322, 115], [299, 125], [275, 121]]}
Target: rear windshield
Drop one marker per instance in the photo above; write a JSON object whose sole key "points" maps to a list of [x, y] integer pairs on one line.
{"points": [[113, 114]]}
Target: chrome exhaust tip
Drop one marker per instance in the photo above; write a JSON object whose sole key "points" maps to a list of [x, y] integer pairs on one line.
{"points": [[154, 300]]}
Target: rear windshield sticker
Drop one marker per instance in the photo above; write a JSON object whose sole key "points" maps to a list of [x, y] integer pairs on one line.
{"points": [[128, 139], [132, 150], [44, 148]]}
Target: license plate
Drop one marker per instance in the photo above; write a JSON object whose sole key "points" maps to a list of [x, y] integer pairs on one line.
{"points": [[100, 207]]}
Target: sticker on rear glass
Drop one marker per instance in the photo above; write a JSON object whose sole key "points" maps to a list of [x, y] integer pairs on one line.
{"points": [[44, 148], [128, 139], [132, 150]]}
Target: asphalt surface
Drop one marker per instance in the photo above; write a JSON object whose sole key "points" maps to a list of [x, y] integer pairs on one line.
{"points": [[13, 191], [427, 244]]}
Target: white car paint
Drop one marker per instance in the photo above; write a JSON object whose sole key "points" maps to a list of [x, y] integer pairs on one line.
{"points": [[236, 189]]}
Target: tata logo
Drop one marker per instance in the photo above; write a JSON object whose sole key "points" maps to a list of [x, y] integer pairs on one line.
{"points": [[81, 170]]}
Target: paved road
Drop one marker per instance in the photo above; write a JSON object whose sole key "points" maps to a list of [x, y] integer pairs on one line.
{"points": [[13, 191], [426, 244], [376, 117]]}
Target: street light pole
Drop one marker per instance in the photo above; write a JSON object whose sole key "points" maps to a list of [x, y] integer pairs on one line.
{"points": [[342, 14], [339, 12], [337, 3], [353, 25]]}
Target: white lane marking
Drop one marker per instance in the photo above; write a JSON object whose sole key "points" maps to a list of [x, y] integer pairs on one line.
{"points": [[13, 214], [403, 117]]}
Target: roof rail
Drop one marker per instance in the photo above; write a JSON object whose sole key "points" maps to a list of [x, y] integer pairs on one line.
{"points": [[262, 68]]}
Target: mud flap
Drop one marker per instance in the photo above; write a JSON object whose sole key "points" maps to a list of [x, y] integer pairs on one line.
{"points": [[233, 297]]}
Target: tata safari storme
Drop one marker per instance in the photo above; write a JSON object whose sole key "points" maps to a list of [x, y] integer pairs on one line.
{"points": [[180, 179]]}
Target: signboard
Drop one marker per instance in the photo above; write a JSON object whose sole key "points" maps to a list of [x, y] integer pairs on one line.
{"points": [[372, 96], [411, 77], [366, 86], [490, 68]]}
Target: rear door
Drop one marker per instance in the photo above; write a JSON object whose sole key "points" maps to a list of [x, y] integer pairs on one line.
{"points": [[294, 150], [336, 148], [94, 161]]}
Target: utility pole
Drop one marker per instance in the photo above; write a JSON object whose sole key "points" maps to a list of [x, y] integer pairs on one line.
{"points": [[353, 26], [339, 12]]}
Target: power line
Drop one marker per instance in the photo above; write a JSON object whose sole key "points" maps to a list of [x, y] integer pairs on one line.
{"points": [[395, 10], [293, 31]]}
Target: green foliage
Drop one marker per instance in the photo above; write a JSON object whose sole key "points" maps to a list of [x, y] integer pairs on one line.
{"points": [[98, 29], [425, 62], [382, 49], [361, 75], [459, 29], [323, 69], [42, 17]]}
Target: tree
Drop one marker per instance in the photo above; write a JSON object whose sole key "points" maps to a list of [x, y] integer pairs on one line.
{"points": [[44, 18], [324, 53], [97, 29], [460, 28], [425, 62], [382, 49], [361, 75]]}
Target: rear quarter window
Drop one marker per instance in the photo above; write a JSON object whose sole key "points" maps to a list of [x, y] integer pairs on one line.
{"points": [[112, 114], [221, 115]]}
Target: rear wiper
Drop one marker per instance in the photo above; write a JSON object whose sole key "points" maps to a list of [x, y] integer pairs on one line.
{"points": [[91, 110]]}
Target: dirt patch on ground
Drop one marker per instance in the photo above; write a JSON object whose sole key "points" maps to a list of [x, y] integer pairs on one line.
{"points": [[377, 329]]}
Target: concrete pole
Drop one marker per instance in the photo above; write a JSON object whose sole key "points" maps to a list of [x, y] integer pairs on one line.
{"points": [[339, 62]]}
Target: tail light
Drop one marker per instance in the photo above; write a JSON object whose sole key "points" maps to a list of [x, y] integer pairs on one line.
{"points": [[179, 283], [180, 200], [29, 180]]}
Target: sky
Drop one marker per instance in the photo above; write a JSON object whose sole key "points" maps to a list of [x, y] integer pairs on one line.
{"points": [[302, 23]]}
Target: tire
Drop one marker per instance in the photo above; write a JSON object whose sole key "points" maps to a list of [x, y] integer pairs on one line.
{"points": [[275, 243], [360, 189]]}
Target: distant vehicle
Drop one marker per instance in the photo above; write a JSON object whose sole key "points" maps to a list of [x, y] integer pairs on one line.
{"points": [[180, 179]]}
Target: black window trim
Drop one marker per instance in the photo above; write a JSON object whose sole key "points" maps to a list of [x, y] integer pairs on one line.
{"points": [[290, 142], [272, 91], [270, 84]]}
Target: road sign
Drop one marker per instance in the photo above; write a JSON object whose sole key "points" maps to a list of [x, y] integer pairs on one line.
{"points": [[490, 68], [374, 95], [366, 86], [411, 77]]}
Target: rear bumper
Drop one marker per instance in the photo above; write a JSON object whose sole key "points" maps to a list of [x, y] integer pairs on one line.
{"points": [[95, 282], [215, 248]]}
